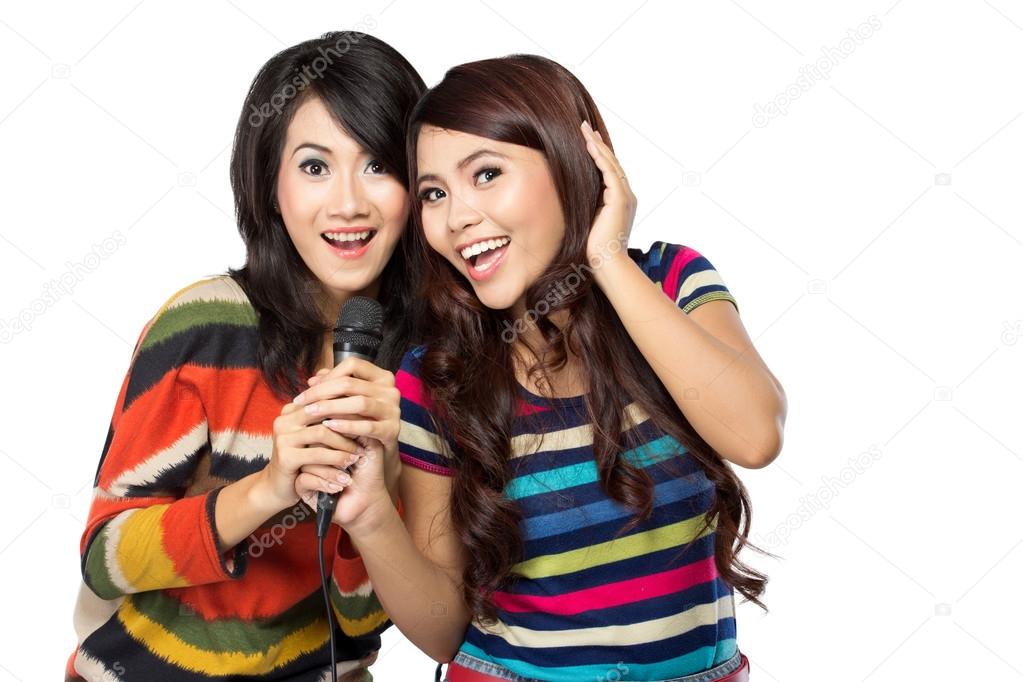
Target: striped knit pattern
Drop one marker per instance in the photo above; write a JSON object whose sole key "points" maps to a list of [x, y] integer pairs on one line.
{"points": [[684, 274], [591, 601], [158, 600]]}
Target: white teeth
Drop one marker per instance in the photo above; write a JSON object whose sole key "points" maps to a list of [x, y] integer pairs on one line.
{"points": [[347, 237], [479, 247]]}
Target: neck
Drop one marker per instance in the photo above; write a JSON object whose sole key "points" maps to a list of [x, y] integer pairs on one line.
{"points": [[532, 335], [332, 300], [330, 307]]}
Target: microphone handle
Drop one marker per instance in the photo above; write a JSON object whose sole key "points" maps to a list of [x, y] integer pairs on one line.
{"points": [[327, 502]]}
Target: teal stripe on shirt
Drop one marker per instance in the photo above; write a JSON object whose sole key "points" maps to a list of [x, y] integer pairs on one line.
{"points": [[572, 475], [694, 661], [568, 520]]}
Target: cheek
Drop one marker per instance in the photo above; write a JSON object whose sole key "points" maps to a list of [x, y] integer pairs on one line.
{"points": [[530, 210], [293, 196], [391, 199], [434, 230]]}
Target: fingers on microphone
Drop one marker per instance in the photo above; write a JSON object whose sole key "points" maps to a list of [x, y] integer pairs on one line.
{"points": [[328, 473], [312, 482]]}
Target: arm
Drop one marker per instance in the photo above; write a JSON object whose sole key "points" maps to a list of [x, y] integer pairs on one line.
{"points": [[417, 564], [411, 552], [720, 382], [141, 534]]}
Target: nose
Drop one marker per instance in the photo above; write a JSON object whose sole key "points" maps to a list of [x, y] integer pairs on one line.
{"points": [[461, 215], [348, 198]]}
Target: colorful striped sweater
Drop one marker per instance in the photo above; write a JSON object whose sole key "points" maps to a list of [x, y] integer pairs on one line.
{"points": [[587, 604], [158, 600]]}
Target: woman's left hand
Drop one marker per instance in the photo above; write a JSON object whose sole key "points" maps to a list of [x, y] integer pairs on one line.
{"points": [[372, 405], [363, 500], [613, 222]]}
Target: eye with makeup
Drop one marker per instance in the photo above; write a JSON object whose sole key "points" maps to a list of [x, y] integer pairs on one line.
{"points": [[425, 195], [308, 165], [490, 173], [373, 167]]}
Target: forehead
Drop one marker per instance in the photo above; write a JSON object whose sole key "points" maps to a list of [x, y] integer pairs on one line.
{"points": [[439, 150], [313, 122]]}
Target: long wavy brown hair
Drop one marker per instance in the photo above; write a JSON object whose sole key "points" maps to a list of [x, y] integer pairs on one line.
{"points": [[467, 368]]}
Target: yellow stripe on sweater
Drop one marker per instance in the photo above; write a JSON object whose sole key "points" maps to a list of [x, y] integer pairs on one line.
{"points": [[165, 644], [356, 627], [141, 559]]}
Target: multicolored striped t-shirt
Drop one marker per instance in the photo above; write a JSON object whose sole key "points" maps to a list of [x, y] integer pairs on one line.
{"points": [[587, 605], [158, 599]]}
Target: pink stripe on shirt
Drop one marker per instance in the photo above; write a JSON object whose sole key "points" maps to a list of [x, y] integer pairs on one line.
{"points": [[411, 388], [612, 594], [682, 258]]}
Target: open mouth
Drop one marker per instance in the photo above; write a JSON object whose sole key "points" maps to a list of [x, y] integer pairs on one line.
{"points": [[349, 241], [484, 254]]}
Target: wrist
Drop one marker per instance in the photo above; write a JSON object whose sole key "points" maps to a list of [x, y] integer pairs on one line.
{"points": [[608, 267], [374, 520], [260, 495]]}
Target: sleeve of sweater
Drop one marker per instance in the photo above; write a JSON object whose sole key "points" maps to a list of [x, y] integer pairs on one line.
{"points": [[356, 607], [142, 532]]}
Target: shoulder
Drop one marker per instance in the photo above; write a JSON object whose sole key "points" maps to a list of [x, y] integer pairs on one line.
{"points": [[210, 323], [662, 256], [684, 274], [412, 360], [407, 379], [216, 300]]}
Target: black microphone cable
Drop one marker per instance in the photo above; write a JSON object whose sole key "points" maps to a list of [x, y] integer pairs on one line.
{"points": [[357, 333]]}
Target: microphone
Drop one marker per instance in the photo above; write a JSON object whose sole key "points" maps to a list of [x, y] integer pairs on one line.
{"points": [[358, 332]]}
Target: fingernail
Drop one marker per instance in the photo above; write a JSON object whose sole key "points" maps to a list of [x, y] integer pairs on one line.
{"points": [[334, 487], [344, 478], [299, 399], [360, 451]]}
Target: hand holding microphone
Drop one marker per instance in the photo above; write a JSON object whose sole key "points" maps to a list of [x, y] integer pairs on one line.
{"points": [[300, 439], [360, 401]]}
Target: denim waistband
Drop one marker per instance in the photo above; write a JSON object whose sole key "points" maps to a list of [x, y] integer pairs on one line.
{"points": [[723, 669]]}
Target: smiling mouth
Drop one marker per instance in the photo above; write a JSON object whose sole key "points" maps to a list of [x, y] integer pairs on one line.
{"points": [[349, 241], [482, 254]]}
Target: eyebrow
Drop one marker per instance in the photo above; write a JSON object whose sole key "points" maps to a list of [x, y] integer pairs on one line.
{"points": [[431, 177], [311, 145]]}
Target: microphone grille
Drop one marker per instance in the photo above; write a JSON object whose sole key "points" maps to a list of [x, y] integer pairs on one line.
{"points": [[361, 322]]}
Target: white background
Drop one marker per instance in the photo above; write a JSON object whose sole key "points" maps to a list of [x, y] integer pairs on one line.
{"points": [[872, 235]]}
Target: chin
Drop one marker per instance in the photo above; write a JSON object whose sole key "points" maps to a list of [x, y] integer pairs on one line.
{"points": [[347, 283], [498, 302]]}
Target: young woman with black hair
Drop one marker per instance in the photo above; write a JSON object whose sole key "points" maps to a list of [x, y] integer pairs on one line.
{"points": [[199, 561]]}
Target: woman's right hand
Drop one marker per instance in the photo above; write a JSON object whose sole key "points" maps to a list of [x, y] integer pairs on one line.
{"points": [[299, 439]]}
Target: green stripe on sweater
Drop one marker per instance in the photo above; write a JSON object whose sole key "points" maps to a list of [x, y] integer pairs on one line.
{"points": [[355, 607], [97, 574], [229, 635], [197, 313]]}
